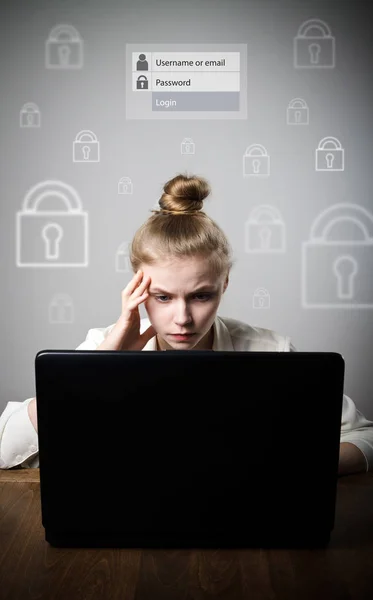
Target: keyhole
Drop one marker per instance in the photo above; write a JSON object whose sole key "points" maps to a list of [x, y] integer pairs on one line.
{"points": [[297, 116], [329, 160], [265, 237], [86, 150], [52, 235], [142, 83], [64, 52], [261, 301], [314, 50], [345, 269], [30, 119], [256, 165]]}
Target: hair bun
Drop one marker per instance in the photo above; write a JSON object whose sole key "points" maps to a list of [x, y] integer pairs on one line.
{"points": [[184, 194]]}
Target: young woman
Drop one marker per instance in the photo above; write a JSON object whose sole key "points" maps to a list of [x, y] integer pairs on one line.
{"points": [[181, 260]]}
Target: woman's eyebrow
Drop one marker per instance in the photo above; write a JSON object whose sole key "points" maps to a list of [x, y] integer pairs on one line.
{"points": [[200, 289]]}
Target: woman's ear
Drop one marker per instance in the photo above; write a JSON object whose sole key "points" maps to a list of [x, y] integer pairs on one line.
{"points": [[226, 283]]}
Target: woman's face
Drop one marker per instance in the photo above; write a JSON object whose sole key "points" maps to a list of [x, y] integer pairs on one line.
{"points": [[184, 296]]}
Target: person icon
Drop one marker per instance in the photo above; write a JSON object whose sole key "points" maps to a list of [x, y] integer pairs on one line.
{"points": [[142, 63]]}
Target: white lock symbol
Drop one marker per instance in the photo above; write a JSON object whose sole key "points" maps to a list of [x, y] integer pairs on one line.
{"points": [[125, 185], [329, 155], [61, 309], [265, 230], [86, 147], [52, 237], [122, 258], [187, 146], [255, 161], [261, 298], [64, 48], [337, 270], [30, 115], [314, 50], [297, 112]]}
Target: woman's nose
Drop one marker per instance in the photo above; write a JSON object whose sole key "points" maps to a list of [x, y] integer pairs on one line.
{"points": [[182, 314]]}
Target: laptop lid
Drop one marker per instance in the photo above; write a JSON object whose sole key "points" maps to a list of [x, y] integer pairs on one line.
{"points": [[178, 445]]}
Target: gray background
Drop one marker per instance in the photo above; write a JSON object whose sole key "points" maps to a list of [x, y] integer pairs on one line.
{"points": [[339, 100]]}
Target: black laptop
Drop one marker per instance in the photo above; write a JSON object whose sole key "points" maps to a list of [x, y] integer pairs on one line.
{"points": [[188, 448]]}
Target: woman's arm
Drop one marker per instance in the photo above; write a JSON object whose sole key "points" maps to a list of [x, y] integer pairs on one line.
{"points": [[31, 408], [351, 459]]}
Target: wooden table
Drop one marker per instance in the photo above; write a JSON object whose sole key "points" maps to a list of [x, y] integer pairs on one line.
{"points": [[31, 568]]}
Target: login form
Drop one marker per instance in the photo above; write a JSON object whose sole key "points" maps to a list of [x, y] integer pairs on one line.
{"points": [[186, 81]]}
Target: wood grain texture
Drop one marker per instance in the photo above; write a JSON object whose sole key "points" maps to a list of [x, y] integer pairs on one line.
{"points": [[32, 569]]}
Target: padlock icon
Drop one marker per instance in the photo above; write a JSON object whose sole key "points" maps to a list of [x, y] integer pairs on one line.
{"points": [[261, 298], [187, 146], [125, 185], [122, 258], [61, 309], [329, 155], [52, 237], [255, 161], [29, 115], [337, 272], [86, 147], [142, 83], [64, 48], [314, 50], [265, 230], [297, 112]]}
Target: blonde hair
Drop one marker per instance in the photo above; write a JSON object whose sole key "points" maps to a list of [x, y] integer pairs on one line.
{"points": [[180, 228]]}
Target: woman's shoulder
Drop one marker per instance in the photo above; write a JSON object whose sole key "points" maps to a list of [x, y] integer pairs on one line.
{"points": [[95, 337], [243, 336], [250, 337]]}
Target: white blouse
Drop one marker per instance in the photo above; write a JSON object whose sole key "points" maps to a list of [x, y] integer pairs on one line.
{"points": [[19, 440]]}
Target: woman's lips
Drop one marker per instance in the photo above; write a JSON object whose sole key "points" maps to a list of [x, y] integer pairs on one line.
{"points": [[180, 336]]}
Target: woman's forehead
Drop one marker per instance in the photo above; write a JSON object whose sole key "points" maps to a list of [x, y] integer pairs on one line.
{"points": [[199, 266]]}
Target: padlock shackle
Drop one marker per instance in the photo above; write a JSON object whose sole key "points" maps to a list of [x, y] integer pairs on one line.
{"points": [[52, 188], [314, 24], [273, 212], [350, 212], [123, 247], [30, 106], [262, 150], [86, 132], [303, 103], [125, 180], [142, 77], [330, 140], [261, 292], [64, 29]]}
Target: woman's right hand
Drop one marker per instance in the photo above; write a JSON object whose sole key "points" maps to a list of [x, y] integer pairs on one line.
{"points": [[125, 334]]}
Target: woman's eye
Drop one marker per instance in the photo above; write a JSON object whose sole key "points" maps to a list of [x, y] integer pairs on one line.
{"points": [[204, 296], [201, 297]]}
